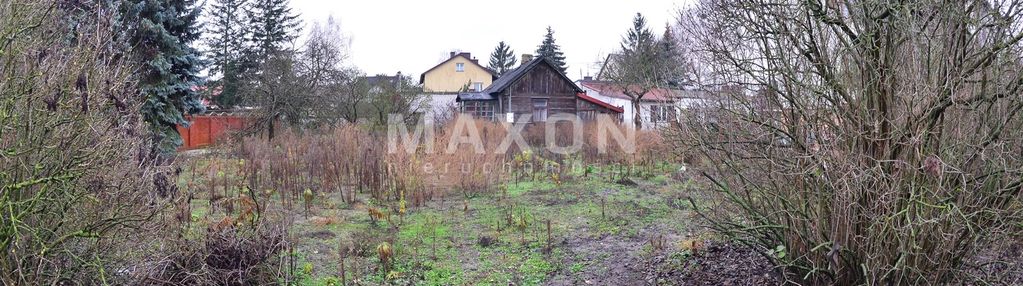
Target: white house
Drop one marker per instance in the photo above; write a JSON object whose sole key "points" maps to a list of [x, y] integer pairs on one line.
{"points": [[657, 108]]}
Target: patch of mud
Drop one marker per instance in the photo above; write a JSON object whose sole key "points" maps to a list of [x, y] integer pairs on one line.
{"points": [[604, 260], [612, 261], [322, 235], [717, 263], [627, 182]]}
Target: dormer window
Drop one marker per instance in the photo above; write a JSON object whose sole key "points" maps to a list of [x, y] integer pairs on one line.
{"points": [[459, 67]]}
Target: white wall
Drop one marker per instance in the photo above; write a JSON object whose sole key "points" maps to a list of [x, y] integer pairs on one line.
{"points": [[628, 111]]}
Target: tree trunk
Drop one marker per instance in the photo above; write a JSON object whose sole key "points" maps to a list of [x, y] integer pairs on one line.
{"points": [[270, 129], [637, 116]]}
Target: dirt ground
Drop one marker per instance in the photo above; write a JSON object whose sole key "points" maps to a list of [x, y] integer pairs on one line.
{"points": [[634, 232], [587, 230], [601, 234]]}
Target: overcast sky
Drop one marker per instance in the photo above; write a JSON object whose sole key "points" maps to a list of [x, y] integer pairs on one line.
{"points": [[413, 36]]}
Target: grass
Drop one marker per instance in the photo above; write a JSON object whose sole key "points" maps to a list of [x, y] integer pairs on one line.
{"points": [[500, 240]]}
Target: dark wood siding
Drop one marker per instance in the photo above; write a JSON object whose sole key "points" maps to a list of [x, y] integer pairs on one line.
{"points": [[541, 82], [588, 110]]}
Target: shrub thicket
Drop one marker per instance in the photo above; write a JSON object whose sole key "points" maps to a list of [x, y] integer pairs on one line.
{"points": [[860, 142]]}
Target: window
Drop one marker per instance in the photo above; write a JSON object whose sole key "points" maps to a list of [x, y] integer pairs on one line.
{"points": [[459, 67], [477, 86], [539, 109], [587, 115], [479, 109], [661, 113]]}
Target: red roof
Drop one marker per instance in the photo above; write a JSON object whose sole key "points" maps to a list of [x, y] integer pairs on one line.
{"points": [[612, 90], [585, 97]]}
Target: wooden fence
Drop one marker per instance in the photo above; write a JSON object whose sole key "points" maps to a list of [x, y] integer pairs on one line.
{"points": [[209, 129]]}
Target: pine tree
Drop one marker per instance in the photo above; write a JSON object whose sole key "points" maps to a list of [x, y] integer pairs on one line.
{"points": [[639, 39], [502, 59], [670, 54], [273, 26], [226, 31], [637, 69], [552, 51], [169, 66]]}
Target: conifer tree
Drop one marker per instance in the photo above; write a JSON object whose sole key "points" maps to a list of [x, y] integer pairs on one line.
{"points": [[226, 38], [639, 39], [169, 66], [502, 59], [637, 69], [671, 57], [273, 26], [551, 50]]}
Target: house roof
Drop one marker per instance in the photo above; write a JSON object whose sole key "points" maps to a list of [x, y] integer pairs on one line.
{"points": [[383, 79], [474, 96], [616, 91], [583, 96], [603, 67], [422, 77], [514, 75], [511, 76]]}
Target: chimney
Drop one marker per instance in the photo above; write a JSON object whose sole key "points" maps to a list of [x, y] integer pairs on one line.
{"points": [[587, 78], [451, 55], [476, 61], [526, 58]]}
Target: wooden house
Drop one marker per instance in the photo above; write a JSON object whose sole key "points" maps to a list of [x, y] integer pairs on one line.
{"points": [[536, 89]]}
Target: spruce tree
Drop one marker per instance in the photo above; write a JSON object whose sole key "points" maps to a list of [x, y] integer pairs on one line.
{"points": [[671, 57], [226, 39], [273, 26], [169, 66], [639, 47], [637, 70], [639, 38], [552, 51], [502, 59]]}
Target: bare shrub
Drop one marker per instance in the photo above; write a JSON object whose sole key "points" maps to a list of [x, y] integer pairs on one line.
{"points": [[862, 142], [467, 169], [353, 159], [77, 168], [225, 255]]}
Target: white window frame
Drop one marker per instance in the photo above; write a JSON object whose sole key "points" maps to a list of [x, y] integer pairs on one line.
{"points": [[459, 67], [477, 86], [659, 113], [479, 109]]}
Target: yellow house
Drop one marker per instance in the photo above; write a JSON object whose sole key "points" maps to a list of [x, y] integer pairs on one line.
{"points": [[458, 73]]}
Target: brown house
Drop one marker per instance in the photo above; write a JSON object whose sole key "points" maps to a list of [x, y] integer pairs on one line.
{"points": [[537, 89]]}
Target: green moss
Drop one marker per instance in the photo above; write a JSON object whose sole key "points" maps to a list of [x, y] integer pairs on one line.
{"points": [[577, 267], [444, 276], [520, 188], [534, 270]]}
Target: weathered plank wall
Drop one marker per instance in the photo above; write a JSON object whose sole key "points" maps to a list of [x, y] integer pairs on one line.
{"points": [[542, 82]]}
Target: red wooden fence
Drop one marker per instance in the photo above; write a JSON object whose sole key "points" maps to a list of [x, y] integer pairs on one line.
{"points": [[209, 129]]}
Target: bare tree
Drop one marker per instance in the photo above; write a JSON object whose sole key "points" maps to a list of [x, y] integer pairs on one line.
{"points": [[335, 87], [403, 96], [640, 66], [860, 141], [346, 98], [281, 94], [324, 55]]}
